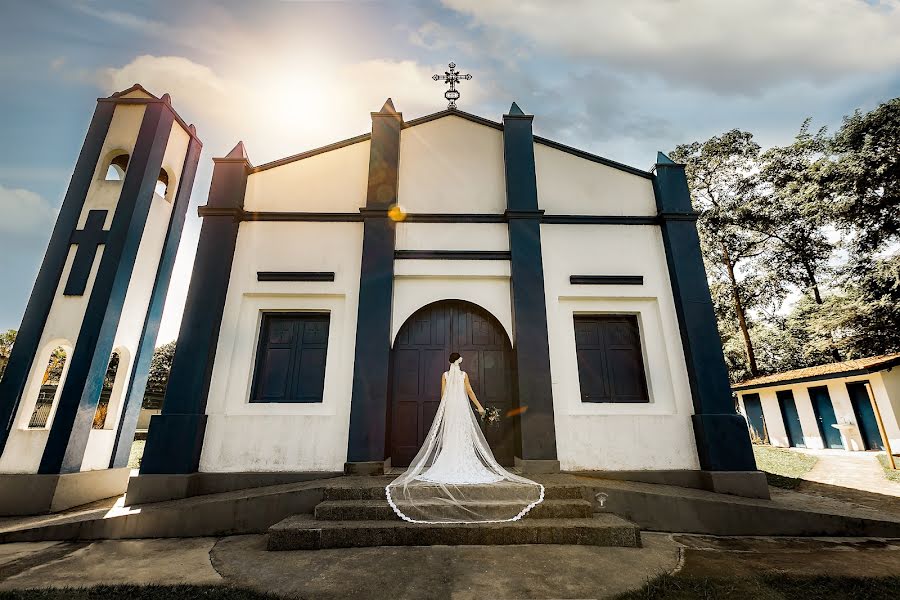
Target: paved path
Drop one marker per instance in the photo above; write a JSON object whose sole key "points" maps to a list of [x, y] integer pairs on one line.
{"points": [[424, 573], [852, 477], [856, 470]]}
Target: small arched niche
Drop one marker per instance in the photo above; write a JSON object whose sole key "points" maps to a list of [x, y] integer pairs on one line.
{"points": [[108, 400], [51, 382], [162, 184], [115, 171]]}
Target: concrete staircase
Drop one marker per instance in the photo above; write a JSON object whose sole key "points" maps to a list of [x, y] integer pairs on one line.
{"points": [[356, 514]]}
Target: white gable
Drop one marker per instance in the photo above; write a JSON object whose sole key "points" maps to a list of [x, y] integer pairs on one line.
{"points": [[570, 185], [333, 181], [452, 165]]}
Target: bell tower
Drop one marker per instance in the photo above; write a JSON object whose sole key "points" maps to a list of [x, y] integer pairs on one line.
{"points": [[72, 390]]}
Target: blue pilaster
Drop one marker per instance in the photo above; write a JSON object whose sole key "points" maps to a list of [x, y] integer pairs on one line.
{"points": [[137, 384], [532, 348], [369, 397], [723, 443], [175, 437], [80, 393], [23, 353]]}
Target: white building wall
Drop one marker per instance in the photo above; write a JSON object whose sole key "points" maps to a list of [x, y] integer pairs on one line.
{"points": [[334, 181], [452, 165], [570, 185], [655, 435], [245, 436], [452, 236], [886, 391]]}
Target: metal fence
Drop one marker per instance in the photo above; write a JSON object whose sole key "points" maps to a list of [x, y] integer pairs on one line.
{"points": [[43, 406]]}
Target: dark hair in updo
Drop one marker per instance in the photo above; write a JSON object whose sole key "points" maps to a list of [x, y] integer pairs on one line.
{"points": [[454, 357]]}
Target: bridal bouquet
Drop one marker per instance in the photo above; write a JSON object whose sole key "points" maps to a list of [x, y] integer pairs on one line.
{"points": [[491, 416]]}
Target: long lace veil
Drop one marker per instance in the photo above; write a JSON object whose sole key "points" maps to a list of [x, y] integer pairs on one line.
{"points": [[455, 478]]}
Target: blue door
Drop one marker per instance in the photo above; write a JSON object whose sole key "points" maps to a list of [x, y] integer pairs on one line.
{"points": [[865, 415], [755, 419], [791, 418], [821, 403]]}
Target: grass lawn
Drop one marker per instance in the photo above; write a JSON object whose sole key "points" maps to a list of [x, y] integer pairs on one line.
{"points": [[137, 451], [891, 474], [666, 587], [767, 587], [783, 468], [139, 592]]}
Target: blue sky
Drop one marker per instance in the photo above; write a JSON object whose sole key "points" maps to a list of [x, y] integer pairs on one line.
{"points": [[622, 79]]}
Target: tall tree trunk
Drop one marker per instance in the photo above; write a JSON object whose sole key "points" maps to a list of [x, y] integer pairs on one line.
{"points": [[818, 297], [739, 309]]}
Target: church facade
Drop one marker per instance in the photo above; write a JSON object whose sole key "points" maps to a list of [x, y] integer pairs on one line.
{"points": [[330, 287]]}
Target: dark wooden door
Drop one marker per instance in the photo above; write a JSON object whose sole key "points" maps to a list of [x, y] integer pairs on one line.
{"points": [[824, 410], [791, 418], [755, 418], [865, 415], [419, 357]]}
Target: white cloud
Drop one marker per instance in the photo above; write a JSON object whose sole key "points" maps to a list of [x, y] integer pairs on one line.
{"points": [[24, 212], [738, 45], [281, 109]]}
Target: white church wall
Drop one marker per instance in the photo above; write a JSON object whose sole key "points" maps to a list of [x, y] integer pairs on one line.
{"points": [[452, 165], [137, 299], [25, 446], [334, 181], [452, 236], [589, 436], [570, 185], [245, 436], [418, 283]]}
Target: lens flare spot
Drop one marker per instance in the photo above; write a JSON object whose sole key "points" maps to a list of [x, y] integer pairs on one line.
{"points": [[516, 411], [395, 213]]}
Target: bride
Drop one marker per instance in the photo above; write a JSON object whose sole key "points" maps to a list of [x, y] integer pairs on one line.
{"points": [[455, 478]]}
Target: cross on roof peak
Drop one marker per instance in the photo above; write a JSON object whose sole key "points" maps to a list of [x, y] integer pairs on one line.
{"points": [[452, 77]]}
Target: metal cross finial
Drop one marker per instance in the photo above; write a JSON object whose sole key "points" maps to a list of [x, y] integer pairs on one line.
{"points": [[452, 77]]}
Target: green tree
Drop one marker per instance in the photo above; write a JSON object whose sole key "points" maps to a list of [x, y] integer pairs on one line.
{"points": [[864, 177], [722, 174], [7, 339], [866, 312], [792, 211], [160, 366]]}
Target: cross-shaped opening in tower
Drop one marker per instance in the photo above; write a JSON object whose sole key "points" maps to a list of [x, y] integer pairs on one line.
{"points": [[87, 240]]}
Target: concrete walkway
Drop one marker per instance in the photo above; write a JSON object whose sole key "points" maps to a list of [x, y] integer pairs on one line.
{"points": [[423, 573], [856, 470]]}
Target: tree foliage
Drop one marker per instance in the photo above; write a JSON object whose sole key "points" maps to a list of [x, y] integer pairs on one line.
{"points": [[802, 242], [160, 366]]}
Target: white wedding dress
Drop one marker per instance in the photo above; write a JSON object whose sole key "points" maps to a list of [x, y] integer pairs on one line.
{"points": [[455, 478]]}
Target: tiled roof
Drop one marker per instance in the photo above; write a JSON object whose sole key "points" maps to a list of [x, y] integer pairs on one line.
{"points": [[847, 367]]}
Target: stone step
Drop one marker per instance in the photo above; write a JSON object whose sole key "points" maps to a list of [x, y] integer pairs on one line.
{"points": [[303, 532], [379, 510], [342, 491]]}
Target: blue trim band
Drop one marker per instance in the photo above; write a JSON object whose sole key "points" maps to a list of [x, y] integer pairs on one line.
{"points": [[42, 295], [295, 275], [451, 255], [141, 365], [532, 348], [74, 416]]}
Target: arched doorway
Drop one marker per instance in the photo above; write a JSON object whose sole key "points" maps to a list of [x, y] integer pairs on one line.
{"points": [[418, 358]]}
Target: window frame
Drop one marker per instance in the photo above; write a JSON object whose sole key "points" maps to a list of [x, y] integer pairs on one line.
{"points": [[262, 346], [644, 382]]}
